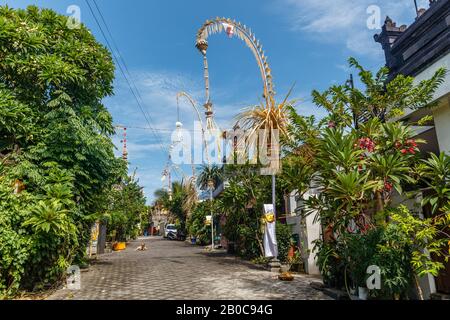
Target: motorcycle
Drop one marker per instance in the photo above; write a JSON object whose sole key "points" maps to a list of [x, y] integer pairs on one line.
{"points": [[181, 236], [171, 235]]}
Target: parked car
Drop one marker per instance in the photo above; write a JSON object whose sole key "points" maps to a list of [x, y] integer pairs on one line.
{"points": [[169, 228]]}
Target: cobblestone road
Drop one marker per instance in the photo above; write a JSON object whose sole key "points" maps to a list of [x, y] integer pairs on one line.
{"points": [[177, 270]]}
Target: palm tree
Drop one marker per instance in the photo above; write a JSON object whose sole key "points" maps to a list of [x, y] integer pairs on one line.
{"points": [[160, 193], [210, 177], [190, 196], [161, 196]]}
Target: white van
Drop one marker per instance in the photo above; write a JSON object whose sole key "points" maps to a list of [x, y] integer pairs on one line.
{"points": [[169, 228]]}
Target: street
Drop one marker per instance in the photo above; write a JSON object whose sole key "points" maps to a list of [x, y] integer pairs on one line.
{"points": [[177, 270]]}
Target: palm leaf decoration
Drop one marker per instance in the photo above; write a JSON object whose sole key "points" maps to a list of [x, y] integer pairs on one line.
{"points": [[260, 123]]}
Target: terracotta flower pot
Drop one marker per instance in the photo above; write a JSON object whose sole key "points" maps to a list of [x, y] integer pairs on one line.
{"points": [[291, 252]]}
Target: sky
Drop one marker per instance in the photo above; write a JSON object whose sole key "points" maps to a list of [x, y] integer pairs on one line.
{"points": [[307, 43]]}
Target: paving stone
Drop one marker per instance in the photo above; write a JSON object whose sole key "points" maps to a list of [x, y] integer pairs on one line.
{"points": [[177, 270]]}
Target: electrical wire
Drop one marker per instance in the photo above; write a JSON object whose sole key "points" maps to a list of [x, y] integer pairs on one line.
{"points": [[124, 71]]}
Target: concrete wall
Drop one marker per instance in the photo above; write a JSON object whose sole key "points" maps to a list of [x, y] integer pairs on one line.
{"points": [[427, 73], [442, 95], [442, 124], [308, 232], [441, 112]]}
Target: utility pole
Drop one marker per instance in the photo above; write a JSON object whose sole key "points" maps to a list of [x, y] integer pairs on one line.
{"points": [[211, 188], [417, 8], [124, 142], [169, 181], [351, 83], [212, 218]]}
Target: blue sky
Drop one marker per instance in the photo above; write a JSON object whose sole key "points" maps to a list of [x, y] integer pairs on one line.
{"points": [[307, 43]]}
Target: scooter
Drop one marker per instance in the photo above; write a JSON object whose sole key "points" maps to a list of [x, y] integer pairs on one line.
{"points": [[181, 236], [171, 235]]}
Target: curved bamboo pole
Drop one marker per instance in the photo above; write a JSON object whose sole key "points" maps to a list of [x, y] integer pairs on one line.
{"points": [[193, 104], [218, 25], [242, 32]]}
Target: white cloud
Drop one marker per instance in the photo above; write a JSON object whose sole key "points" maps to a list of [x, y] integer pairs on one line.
{"points": [[345, 21]]}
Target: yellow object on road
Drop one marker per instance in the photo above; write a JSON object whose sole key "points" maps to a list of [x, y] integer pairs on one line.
{"points": [[119, 246]]}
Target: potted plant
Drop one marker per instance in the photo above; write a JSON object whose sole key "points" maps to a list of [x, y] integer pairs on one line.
{"points": [[361, 250], [292, 250], [296, 262]]}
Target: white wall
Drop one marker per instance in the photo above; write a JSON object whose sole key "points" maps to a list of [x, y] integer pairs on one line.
{"points": [[442, 113], [442, 124], [308, 232], [443, 62]]}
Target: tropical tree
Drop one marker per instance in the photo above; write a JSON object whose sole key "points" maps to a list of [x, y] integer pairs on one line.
{"points": [[357, 161], [127, 204], [56, 153], [436, 173], [190, 196], [381, 98], [210, 176], [180, 201]]}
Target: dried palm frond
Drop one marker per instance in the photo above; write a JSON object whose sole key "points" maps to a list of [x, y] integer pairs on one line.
{"points": [[260, 122], [190, 195]]}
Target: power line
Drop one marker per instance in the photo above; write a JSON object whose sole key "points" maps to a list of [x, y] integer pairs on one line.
{"points": [[157, 129], [134, 90], [129, 81]]}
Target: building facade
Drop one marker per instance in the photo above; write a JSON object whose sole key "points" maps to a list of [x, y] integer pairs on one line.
{"points": [[419, 51]]}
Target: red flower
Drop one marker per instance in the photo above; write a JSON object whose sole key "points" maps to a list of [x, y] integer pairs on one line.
{"points": [[411, 150], [398, 144], [388, 186], [367, 143], [403, 151], [411, 143]]}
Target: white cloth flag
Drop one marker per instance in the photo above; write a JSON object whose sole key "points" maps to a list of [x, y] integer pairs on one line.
{"points": [[270, 239], [229, 29]]}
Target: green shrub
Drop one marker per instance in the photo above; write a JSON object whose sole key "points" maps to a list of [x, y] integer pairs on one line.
{"points": [[360, 253], [55, 146], [196, 224], [331, 262], [393, 257], [284, 241], [14, 253]]}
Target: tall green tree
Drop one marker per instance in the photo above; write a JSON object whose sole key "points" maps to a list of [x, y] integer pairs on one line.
{"points": [[56, 152], [357, 167], [210, 177]]}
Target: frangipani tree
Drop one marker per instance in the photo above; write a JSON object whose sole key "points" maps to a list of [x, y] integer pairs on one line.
{"points": [[358, 166]]}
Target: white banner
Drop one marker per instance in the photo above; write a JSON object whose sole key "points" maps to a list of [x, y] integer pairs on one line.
{"points": [[270, 239]]}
